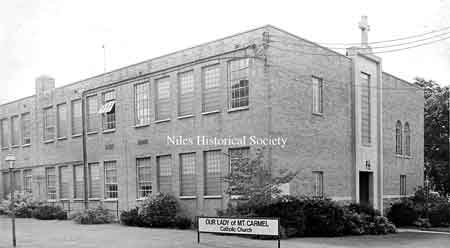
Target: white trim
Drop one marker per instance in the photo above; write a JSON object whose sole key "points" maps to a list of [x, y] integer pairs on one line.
{"points": [[396, 196], [341, 198]]}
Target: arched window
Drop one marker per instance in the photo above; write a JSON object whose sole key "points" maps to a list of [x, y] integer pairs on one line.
{"points": [[407, 139], [398, 138]]}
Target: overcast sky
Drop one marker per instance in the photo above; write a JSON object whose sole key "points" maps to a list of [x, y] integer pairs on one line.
{"points": [[64, 38]]}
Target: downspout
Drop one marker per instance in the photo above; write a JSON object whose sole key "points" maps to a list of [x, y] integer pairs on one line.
{"points": [[85, 164]]}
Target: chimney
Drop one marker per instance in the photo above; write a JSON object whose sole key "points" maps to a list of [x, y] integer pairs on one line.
{"points": [[44, 84], [365, 28]]}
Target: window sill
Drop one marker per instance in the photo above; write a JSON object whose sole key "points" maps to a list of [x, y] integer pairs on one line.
{"points": [[64, 199], [109, 130], [407, 157], [185, 117], [211, 112], [187, 197], [78, 199], [15, 146], [92, 132], [94, 199], [237, 197], [5, 148], [26, 145], [62, 138], [52, 200], [238, 109], [111, 200], [76, 135], [48, 141], [141, 199], [160, 121], [317, 114], [212, 197], [141, 125], [398, 156]]}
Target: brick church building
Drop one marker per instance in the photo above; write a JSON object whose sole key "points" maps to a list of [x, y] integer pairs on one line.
{"points": [[353, 132]]}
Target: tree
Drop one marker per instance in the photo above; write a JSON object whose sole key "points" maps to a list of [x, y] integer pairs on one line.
{"points": [[254, 182], [436, 138]]}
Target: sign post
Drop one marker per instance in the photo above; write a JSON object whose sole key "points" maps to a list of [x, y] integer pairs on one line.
{"points": [[240, 226]]}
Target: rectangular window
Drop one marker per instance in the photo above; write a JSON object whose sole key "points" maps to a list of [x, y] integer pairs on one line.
{"points": [[62, 120], [211, 88], [185, 93], [64, 182], [213, 172], [15, 134], [27, 181], [162, 103], [4, 133], [78, 182], [164, 166], [365, 109], [142, 103], [76, 117], [49, 124], [237, 158], [111, 186], [6, 184], [17, 181], [94, 180], [26, 128], [187, 173], [238, 83], [144, 177], [403, 185], [108, 110], [317, 84], [318, 183], [50, 175], [92, 115]]}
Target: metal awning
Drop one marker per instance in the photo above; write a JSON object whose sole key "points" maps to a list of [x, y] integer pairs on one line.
{"points": [[107, 107]]}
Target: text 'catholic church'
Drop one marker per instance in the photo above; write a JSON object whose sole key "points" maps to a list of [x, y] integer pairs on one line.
{"points": [[352, 131]]}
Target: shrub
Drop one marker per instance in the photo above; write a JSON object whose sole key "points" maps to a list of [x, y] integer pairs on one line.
{"points": [[182, 222], [403, 213], [99, 215], [45, 212], [362, 209], [440, 215], [159, 211], [323, 218], [24, 203], [131, 217]]}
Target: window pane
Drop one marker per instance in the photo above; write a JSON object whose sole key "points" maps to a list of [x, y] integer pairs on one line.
{"points": [[318, 184], [49, 124], [78, 182], [4, 133], [26, 129], [92, 115], [211, 88], [94, 180], [111, 186], [317, 95], [398, 138], [164, 164], [142, 103], [27, 181], [187, 168], [407, 140], [17, 181], [62, 120], [186, 93], [64, 182], [238, 158], [239, 83], [144, 177], [365, 109], [213, 173], [76, 117], [15, 140], [51, 183], [162, 98], [109, 118]]}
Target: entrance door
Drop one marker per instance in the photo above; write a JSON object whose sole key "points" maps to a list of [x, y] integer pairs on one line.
{"points": [[365, 179]]}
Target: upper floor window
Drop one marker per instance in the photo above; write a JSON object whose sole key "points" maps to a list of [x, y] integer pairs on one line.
{"points": [[26, 128], [365, 109], [398, 138], [407, 139], [76, 117], [4, 133], [185, 93], [49, 124], [211, 88], [317, 85], [142, 103], [15, 134], [92, 115], [108, 110], [238, 94], [162, 103], [62, 120]]}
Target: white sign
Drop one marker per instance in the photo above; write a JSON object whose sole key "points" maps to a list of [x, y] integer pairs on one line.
{"points": [[253, 226]]}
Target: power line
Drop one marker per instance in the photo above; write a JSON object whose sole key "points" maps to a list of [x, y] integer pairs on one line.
{"points": [[391, 40]]}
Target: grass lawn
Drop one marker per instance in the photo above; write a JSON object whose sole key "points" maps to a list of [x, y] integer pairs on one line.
{"points": [[51, 234]]}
